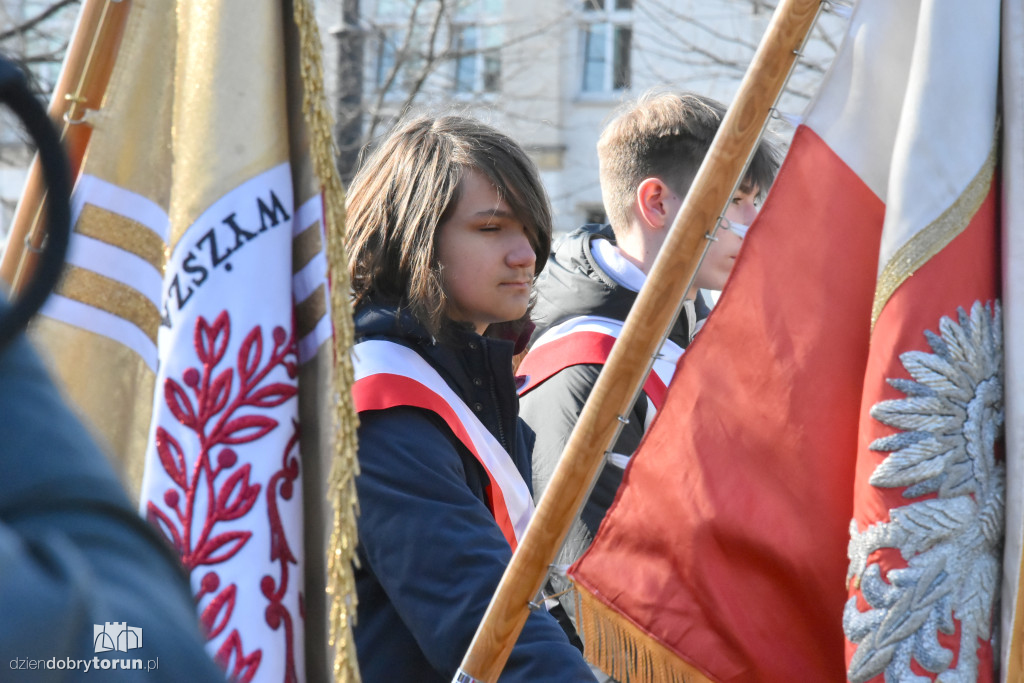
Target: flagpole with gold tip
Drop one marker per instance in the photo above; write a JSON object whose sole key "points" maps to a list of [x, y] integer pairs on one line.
{"points": [[630, 361]]}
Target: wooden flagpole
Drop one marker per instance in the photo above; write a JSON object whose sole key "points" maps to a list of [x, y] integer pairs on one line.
{"points": [[82, 84], [645, 328]]}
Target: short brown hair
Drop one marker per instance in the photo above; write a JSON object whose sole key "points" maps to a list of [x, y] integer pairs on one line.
{"points": [[666, 135], [408, 187]]}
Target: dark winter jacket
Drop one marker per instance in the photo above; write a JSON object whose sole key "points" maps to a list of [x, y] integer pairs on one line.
{"points": [[431, 551], [75, 554], [573, 285]]}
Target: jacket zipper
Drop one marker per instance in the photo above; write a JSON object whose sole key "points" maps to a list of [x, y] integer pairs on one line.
{"points": [[494, 397], [501, 431]]}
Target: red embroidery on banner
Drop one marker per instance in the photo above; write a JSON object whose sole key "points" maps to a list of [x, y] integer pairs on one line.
{"points": [[283, 483], [239, 667], [218, 419]]}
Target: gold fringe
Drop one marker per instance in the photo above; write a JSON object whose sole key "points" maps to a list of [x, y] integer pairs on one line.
{"points": [[623, 651], [344, 468]]}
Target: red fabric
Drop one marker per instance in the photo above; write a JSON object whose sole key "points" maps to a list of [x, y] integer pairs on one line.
{"points": [[727, 541], [380, 392], [578, 348], [965, 271]]}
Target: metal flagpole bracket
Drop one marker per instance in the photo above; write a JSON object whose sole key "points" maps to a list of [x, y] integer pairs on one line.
{"points": [[75, 100]]}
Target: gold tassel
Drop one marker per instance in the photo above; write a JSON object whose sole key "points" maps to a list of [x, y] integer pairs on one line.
{"points": [[622, 650], [341, 552]]}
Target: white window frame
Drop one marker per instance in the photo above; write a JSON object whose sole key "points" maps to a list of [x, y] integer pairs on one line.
{"points": [[485, 17], [390, 22], [591, 16]]}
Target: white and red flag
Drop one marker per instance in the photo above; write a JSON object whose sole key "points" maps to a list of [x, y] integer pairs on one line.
{"points": [[851, 370], [193, 323]]}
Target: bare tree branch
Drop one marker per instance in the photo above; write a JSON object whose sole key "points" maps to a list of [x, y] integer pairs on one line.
{"points": [[401, 55], [430, 60], [29, 24]]}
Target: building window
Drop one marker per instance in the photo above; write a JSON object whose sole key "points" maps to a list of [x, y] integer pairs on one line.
{"points": [[477, 41], [399, 55], [607, 41]]}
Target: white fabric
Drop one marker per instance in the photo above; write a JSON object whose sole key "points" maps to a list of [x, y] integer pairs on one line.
{"points": [[664, 363], [113, 263], [92, 190], [388, 358], [100, 322], [256, 291], [1013, 314], [611, 260], [931, 109], [852, 95], [312, 276], [116, 264]]}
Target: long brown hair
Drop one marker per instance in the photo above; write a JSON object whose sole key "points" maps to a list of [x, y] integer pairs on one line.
{"points": [[407, 188]]}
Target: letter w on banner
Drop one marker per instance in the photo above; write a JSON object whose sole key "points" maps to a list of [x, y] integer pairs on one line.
{"points": [[192, 323], [853, 369]]}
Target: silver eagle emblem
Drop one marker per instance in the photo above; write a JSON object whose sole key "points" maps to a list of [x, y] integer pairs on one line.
{"points": [[949, 423]]}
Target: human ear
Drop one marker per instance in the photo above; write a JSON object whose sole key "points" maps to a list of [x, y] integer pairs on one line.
{"points": [[652, 196]]}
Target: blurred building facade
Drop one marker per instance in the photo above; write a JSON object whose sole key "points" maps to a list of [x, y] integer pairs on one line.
{"points": [[548, 72]]}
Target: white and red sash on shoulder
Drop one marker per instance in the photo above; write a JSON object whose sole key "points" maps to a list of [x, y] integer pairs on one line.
{"points": [[388, 375], [588, 340]]}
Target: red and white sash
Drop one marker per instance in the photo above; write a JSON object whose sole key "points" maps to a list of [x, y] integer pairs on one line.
{"points": [[588, 340], [389, 375]]}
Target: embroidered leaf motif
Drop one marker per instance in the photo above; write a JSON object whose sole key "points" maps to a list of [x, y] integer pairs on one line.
{"points": [[237, 486], [220, 391], [217, 614], [227, 543], [179, 403], [172, 458], [211, 479], [161, 521], [211, 341], [248, 428], [249, 354], [240, 668], [272, 395], [951, 417]]}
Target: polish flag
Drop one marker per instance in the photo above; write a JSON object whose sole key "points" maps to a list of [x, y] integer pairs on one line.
{"points": [[828, 472]]}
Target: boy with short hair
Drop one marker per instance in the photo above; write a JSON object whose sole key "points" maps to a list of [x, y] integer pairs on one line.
{"points": [[649, 156]]}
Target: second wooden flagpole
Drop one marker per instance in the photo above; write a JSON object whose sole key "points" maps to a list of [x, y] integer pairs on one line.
{"points": [[82, 84], [655, 309]]}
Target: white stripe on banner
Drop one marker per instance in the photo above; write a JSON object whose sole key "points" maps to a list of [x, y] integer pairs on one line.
{"points": [[312, 275], [92, 190], [117, 264], [309, 344], [100, 322], [383, 357], [311, 211]]}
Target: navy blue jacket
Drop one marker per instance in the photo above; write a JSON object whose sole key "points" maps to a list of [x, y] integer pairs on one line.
{"points": [[430, 550], [75, 554]]}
